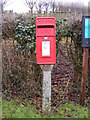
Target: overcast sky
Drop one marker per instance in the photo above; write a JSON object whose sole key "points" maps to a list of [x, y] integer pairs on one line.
{"points": [[19, 6]]}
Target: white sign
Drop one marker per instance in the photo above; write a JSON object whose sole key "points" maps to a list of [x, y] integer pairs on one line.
{"points": [[45, 48]]}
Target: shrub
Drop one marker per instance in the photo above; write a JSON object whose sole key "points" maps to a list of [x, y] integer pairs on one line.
{"points": [[26, 35]]}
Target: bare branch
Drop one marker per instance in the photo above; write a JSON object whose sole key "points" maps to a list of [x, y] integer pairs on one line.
{"points": [[39, 6], [30, 4], [53, 5], [3, 4], [46, 5]]}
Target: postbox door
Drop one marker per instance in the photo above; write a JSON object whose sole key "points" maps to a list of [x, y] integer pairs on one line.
{"points": [[46, 50]]}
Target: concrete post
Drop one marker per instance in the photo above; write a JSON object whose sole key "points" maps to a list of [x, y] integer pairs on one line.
{"points": [[46, 87]]}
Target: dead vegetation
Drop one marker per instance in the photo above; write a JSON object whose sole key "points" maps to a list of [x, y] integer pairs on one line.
{"points": [[22, 77]]}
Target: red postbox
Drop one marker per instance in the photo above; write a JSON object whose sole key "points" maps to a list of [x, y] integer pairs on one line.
{"points": [[45, 40]]}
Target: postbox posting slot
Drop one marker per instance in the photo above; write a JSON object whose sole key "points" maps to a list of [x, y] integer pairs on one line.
{"points": [[47, 29], [46, 26]]}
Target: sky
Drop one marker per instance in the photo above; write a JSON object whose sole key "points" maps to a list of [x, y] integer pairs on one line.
{"points": [[20, 7]]}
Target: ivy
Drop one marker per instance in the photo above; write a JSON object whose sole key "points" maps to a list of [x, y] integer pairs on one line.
{"points": [[26, 35]]}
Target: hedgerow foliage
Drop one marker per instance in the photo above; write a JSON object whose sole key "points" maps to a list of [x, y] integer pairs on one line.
{"points": [[8, 28], [26, 39], [21, 73], [26, 34]]}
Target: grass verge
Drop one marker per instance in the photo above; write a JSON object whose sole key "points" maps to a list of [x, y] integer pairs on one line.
{"points": [[19, 109]]}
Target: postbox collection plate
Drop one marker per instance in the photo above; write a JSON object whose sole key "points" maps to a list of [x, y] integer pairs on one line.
{"points": [[45, 40], [45, 48]]}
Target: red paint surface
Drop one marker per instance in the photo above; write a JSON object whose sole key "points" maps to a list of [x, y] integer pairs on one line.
{"points": [[45, 26]]}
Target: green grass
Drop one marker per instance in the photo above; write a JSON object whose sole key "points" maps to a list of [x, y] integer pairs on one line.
{"points": [[14, 109], [0, 106], [75, 111]]}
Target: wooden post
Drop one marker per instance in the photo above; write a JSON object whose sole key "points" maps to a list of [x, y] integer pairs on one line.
{"points": [[84, 76]]}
